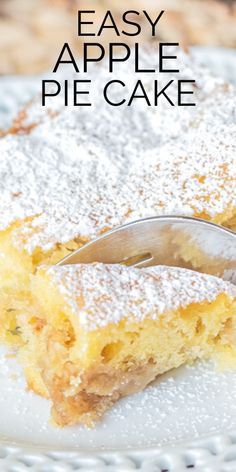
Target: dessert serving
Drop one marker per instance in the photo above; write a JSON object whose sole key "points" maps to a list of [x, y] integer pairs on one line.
{"points": [[94, 333], [87, 335]]}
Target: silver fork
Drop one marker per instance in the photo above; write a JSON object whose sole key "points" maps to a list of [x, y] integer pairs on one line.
{"points": [[164, 240]]}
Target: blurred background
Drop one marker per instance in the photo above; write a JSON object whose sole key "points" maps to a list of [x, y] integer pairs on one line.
{"points": [[32, 32]]}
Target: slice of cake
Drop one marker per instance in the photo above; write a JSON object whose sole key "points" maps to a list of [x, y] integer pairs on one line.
{"points": [[95, 333]]}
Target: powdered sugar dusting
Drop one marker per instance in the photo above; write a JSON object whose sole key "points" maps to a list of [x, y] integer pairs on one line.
{"points": [[102, 294], [95, 168]]}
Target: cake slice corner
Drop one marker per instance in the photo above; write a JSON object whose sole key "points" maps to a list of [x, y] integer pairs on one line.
{"points": [[95, 333]]}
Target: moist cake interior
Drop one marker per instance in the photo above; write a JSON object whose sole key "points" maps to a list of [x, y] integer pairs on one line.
{"points": [[95, 333]]}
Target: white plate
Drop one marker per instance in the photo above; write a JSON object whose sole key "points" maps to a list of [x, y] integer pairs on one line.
{"points": [[190, 402], [184, 421]]}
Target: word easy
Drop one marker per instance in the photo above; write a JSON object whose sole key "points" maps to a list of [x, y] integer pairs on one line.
{"points": [[130, 19]]}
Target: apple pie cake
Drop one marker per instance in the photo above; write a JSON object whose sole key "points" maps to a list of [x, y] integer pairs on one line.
{"points": [[94, 333], [68, 175]]}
